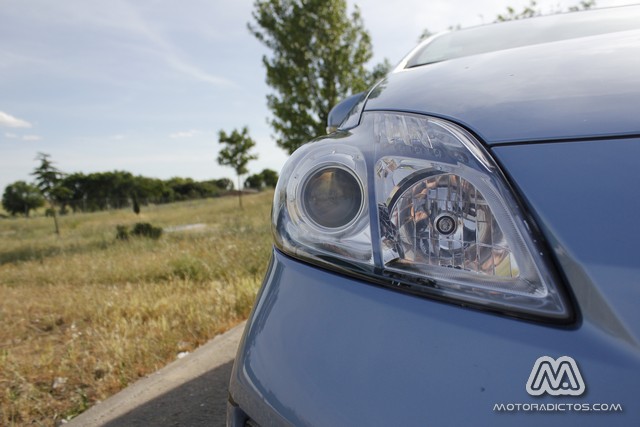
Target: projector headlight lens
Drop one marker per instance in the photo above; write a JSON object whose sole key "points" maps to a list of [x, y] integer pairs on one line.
{"points": [[332, 197]]}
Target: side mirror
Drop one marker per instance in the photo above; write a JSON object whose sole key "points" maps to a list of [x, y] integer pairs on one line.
{"points": [[342, 110]]}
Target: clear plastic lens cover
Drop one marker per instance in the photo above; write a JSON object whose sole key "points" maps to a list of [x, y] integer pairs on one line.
{"points": [[321, 204], [414, 202], [443, 222]]}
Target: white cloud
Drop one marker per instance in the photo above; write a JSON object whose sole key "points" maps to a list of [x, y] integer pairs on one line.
{"points": [[130, 25], [13, 122], [118, 137], [125, 17], [184, 134], [31, 137], [166, 50]]}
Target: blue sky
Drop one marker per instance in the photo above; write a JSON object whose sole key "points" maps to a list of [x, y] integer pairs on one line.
{"points": [[144, 86]]}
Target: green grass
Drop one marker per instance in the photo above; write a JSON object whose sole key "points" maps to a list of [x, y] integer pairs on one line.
{"points": [[84, 314]]}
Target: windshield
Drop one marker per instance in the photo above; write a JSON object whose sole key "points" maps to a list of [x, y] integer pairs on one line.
{"points": [[512, 34]]}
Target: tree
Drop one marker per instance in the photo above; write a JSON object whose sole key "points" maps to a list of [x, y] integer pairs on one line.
{"points": [[224, 184], [236, 153], [318, 58], [583, 5], [48, 178], [20, 198], [425, 35], [379, 71], [136, 204], [62, 196], [254, 182], [529, 11], [532, 10], [266, 178], [269, 177]]}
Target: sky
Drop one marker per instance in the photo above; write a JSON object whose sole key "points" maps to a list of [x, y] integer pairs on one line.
{"points": [[145, 86]]}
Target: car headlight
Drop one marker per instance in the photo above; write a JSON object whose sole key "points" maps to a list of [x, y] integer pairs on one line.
{"points": [[415, 203]]}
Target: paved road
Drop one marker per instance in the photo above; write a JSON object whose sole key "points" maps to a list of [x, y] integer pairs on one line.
{"points": [[190, 392]]}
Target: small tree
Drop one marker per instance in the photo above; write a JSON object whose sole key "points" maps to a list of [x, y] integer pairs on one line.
{"points": [[20, 198], [236, 153], [48, 178], [269, 177]]}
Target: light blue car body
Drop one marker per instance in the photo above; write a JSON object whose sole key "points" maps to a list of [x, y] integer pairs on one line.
{"points": [[563, 121]]}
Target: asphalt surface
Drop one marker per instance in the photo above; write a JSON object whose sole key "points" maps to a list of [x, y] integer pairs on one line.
{"points": [[191, 391]]}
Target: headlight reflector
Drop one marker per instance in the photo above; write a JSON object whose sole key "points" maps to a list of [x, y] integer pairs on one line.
{"points": [[444, 221]]}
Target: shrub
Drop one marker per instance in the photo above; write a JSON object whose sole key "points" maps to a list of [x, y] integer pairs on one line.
{"points": [[145, 229], [122, 232], [190, 268], [140, 229]]}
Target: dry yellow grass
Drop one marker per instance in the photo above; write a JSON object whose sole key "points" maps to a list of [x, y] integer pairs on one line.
{"points": [[83, 315]]}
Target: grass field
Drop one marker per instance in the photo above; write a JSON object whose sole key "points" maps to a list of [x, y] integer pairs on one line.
{"points": [[84, 314]]}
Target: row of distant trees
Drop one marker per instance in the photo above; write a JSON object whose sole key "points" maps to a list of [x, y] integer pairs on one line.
{"points": [[80, 192]]}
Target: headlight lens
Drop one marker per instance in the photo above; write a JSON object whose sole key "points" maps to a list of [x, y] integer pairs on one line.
{"points": [[415, 203], [332, 197]]}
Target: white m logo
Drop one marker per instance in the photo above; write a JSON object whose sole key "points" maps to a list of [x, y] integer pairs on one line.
{"points": [[558, 377]]}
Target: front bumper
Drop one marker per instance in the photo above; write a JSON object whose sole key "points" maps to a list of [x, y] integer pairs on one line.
{"points": [[323, 349]]}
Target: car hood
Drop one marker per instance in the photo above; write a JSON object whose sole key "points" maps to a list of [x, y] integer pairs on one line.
{"points": [[577, 88]]}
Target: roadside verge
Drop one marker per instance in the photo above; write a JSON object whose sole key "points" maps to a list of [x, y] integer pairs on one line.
{"points": [[123, 407]]}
